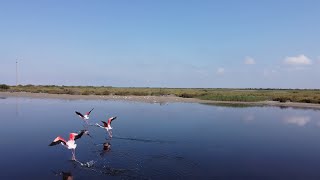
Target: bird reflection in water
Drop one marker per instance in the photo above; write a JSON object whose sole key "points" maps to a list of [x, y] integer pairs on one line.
{"points": [[64, 175], [106, 147], [67, 176]]}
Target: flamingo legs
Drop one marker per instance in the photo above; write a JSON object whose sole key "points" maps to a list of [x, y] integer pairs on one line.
{"points": [[110, 133], [73, 154]]}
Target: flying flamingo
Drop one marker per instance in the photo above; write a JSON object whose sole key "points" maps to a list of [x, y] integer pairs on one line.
{"points": [[84, 117], [70, 144], [107, 125]]}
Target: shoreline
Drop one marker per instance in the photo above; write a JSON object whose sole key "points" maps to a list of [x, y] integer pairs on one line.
{"points": [[157, 99]]}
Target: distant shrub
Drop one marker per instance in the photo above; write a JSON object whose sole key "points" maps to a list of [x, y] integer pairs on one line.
{"points": [[282, 99], [86, 92], [53, 91], [35, 91], [63, 91], [186, 95], [306, 100], [122, 93], [4, 86], [140, 93], [71, 91], [161, 92], [98, 93], [106, 92]]}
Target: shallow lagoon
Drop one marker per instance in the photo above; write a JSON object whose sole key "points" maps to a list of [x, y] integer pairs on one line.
{"points": [[159, 141]]}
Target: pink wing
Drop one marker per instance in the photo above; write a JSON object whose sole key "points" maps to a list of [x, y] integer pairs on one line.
{"points": [[72, 136], [111, 119], [58, 140]]}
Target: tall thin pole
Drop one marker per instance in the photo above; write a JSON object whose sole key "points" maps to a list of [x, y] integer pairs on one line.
{"points": [[16, 72]]}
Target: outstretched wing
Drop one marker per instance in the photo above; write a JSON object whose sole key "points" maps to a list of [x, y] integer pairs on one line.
{"points": [[88, 113], [104, 124], [78, 136], [82, 116], [111, 119], [58, 140]]}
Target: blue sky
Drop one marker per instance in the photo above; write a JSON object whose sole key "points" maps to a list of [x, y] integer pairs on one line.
{"points": [[167, 43]]}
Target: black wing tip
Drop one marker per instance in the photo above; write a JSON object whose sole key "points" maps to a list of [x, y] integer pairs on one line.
{"points": [[52, 144], [81, 132]]}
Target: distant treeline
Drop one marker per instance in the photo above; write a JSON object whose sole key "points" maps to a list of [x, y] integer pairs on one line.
{"points": [[216, 94]]}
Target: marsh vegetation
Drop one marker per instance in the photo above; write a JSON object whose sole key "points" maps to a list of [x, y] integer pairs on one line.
{"points": [[215, 94]]}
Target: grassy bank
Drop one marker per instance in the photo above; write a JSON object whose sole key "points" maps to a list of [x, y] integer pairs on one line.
{"points": [[243, 95]]}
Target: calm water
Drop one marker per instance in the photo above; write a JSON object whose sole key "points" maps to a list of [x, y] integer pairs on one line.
{"points": [[152, 141]]}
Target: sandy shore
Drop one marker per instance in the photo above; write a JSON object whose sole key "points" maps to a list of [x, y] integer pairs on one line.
{"points": [[156, 99]]}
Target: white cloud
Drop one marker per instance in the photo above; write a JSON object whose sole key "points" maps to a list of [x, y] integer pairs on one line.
{"points": [[297, 60], [249, 60], [220, 71], [297, 120]]}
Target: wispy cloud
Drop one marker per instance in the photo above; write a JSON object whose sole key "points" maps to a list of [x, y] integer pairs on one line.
{"points": [[220, 71], [297, 120], [297, 60], [249, 60]]}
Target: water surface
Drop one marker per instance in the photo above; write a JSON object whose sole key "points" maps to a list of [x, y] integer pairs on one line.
{"points": [[153, 141]]}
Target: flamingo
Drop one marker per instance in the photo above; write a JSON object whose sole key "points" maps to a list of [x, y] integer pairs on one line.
{"points": [[70, 144], [84, 117], [107, 125]]}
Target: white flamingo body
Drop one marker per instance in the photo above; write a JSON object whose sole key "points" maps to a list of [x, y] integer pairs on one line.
{"points": [[71, 144]]}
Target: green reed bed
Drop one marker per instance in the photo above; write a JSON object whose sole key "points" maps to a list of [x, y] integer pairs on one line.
{"points": [[215, 94]]}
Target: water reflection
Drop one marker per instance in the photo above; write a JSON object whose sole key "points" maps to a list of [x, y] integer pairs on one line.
{"points": [[144, 140], [64, 175], [280, 106], [297, 120], [248, 118], [106, 147], [67, 176], [233, 105]]}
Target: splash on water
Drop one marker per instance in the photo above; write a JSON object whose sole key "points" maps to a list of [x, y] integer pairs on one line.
{"points": [[88, 164]]}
